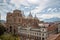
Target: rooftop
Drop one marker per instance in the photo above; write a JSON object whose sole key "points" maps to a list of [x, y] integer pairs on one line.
{"points": [[54, 37]]}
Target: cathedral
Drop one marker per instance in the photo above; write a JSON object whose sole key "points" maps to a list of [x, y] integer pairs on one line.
{"points": [[17, 18]]}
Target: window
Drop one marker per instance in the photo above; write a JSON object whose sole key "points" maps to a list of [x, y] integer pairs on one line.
{"points": [[43, 29], [35, 33], [42, 38], [19, 20], [14, 30], [10, 28], [39, 33], [14, 19], [42, 34]]}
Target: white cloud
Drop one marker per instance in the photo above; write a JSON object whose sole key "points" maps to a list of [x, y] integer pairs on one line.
{"points": [[42, 5], [27, 3], [49, 9], [52, 10], [19, 2], [33, 1], [4, 1], [55, 9], [48, 16], [3, 16]]}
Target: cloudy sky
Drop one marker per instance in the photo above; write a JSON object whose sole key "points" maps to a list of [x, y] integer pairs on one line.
{"points": [[44, 9]]}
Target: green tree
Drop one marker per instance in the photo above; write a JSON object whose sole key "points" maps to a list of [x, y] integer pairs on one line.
{"points": [[2, 29], [9, 37]]}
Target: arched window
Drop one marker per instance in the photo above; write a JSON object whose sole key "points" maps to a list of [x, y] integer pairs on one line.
{"points": [[14, 31], [10, 28], [42, 38]]}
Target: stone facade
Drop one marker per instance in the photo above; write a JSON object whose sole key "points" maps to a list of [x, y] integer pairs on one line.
{"points": [[17, 18]]}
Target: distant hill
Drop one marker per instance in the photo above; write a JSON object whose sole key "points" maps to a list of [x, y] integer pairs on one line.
{"points": [[52, 19], [2, 21]]}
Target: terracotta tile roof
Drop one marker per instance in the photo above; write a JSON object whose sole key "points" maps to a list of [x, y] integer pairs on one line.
{"points": [[52, 27], [54, 37], [58, 38]]}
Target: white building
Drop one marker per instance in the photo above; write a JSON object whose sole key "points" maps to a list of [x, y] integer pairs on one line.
{"points": [[36, 33]]}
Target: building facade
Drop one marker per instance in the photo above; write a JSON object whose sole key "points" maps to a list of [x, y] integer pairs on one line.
{"points": [[58, 25], [17, 18], [29, 33]]}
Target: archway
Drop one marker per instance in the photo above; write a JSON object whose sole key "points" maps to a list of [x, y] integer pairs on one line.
{"points": [[10, 28]]}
